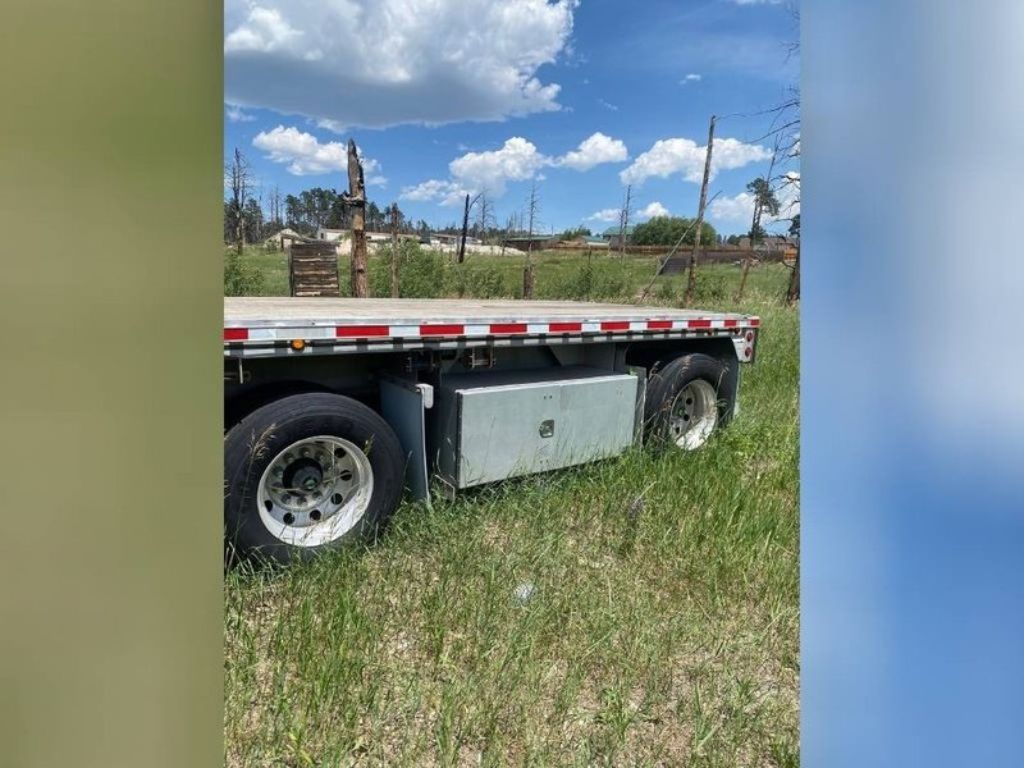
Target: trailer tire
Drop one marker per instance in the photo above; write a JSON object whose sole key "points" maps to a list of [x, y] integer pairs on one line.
{"points": [[306, 474], [687, 401]]}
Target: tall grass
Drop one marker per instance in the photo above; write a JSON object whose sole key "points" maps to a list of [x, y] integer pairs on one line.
{"points": [[425, 273], [636, 611]]}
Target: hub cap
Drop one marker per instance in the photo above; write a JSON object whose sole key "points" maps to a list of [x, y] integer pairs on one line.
{"points": [[315, 491], [694, 415]]}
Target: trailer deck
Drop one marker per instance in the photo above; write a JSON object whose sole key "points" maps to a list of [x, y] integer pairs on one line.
{"points": [[268, 326]]}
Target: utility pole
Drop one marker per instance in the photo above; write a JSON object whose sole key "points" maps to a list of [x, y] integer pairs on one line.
{"points": [[395, 255], [465, 228], [691, 283], [356, 198]]}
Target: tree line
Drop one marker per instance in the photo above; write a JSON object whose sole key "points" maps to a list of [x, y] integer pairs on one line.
{"points": [[251, 217]]}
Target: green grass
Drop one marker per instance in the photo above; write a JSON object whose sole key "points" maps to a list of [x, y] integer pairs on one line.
{"points": [[662, 629], [557, 275]]}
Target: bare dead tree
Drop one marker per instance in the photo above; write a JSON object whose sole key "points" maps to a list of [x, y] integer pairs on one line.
{"points": [[275, 207], [691, 283], [509, 227], [786, 124], [355, 199], [238, 179], [533, 208], [485, 214], [465, 229], [395, 252], [624, 220], [755, 224]]}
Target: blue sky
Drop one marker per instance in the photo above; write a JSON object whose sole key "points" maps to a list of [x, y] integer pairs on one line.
{"points": [[449, 96]]}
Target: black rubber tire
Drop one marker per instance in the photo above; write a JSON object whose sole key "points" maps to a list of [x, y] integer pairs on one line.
{"points": [[667, 380], [252, 444]]}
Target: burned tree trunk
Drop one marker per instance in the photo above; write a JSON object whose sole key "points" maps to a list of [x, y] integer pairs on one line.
{"points": [[691, 283], [356, 199], [465, 231], [394, 251], [793, 292]]}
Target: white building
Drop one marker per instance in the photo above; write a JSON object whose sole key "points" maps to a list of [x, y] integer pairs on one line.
{"points": [[331, 235]]}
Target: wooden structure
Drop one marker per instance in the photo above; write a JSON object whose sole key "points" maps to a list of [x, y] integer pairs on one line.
{"points": [[313, 269]]}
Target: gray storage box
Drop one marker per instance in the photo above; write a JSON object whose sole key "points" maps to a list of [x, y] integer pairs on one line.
{"points": [[494, 425]]}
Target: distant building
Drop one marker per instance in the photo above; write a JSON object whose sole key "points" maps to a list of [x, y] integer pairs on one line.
{"points": [[331, 235], [284, 238], [337, 235], [613, 235], [535, 243], [444, 239]]}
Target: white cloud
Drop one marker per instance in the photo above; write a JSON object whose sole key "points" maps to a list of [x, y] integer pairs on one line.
{"points": [[683, 156], [444, 192], [330, 125], [757, 2], [236, 114], [594, 150], [607, 215], [690, 78], [306, 156], [384, 62], [264, 31], [652, 210], [611, 215], [518, 159], [738, 208], [607, 105]]}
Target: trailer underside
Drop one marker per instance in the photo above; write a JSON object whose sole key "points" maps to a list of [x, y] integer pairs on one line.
{"points": [[463, 392]]}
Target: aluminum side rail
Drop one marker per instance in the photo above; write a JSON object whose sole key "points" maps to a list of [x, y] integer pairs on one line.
{"points": [[261, 327]]}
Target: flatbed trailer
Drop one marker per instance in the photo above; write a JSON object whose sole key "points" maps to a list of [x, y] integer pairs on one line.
{"points": [[335, 407]]}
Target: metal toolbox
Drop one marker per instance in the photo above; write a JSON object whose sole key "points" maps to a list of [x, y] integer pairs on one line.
{"points": [[498, 424]]}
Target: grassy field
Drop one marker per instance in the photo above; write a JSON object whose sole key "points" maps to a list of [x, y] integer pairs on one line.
{"points": [[558, 275], [641, 611]]}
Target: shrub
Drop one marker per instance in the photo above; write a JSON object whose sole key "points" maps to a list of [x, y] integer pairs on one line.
{"points": [[665, 293], [240, 278], [710, 287], [420, 271], [481, 281], [591, 281]]}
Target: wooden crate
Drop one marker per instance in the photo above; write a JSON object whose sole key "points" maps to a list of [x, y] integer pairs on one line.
{"points": [[313, 269]]}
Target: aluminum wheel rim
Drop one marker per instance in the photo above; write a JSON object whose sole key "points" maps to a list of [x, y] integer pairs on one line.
{"points": [[694, 415], [315, 491]]}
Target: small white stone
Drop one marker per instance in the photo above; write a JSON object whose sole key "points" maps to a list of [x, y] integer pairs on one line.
{"points": [[524, 592]]}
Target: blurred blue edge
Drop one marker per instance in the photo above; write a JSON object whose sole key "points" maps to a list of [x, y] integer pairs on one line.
{"points": [[912, 504]]}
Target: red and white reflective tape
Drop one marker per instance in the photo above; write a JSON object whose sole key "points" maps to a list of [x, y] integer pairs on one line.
{"points": [[453, 330]]}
